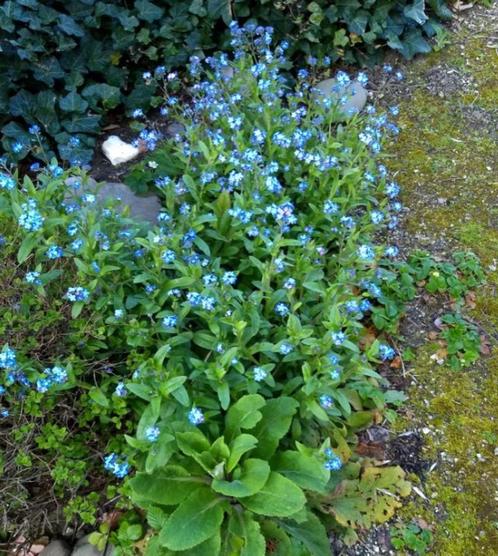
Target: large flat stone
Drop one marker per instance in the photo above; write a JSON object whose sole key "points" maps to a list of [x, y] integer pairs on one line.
{"points": [[354, 91], [144, 208]]}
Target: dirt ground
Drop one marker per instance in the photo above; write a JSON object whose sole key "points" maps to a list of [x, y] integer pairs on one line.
{"points": [[446, 160]]}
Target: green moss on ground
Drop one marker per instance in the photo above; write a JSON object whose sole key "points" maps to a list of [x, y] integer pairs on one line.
{"points": [[446, 160]]}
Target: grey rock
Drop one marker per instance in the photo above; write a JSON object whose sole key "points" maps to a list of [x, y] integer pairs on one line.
{"points": [[144, 208], [354, 91], [84, 548], [175, 128], [56, 548]]}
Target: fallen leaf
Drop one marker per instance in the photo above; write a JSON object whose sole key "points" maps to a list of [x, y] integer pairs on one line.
{"points": [[422, 523], [462, 7], [470, 300], [396, 362], [371, 450], [485, 347]]}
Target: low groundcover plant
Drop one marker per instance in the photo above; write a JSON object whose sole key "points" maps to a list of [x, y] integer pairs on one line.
{"points": [[231, 345]]}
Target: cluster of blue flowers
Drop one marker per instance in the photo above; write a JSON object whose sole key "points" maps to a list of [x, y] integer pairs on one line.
{"points": [[51, 376], [295, 204], [116, 465], [333, 461]]}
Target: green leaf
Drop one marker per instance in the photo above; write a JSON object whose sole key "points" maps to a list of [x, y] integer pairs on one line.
{"points": [[220, 8], [311, 533], [276, 421], [280, 497], [27, 245], [306, 471], [140, 390], [414, 43], [109, 96], [253, 475], [82, 124], [197, 519], [149, 417], [76, 309], [167, 486], [191, 443], [243, 414], [69, 26], [156, 517], [239, 446], [73, 102], [245, 527], [223, 391], [416, 11], [21, 104], [48, 70], [211, 547], [98, 397], [148, 11]]}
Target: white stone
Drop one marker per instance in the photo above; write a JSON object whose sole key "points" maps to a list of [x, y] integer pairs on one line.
{"points": [[354, 91], [117, 151]]}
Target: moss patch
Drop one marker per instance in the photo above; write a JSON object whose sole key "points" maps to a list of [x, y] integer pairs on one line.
{"points": [[446, 162]]}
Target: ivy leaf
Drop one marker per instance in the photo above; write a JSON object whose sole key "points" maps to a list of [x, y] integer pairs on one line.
{"points": [[277, 417], [197, 519], [73, 102], [148, 11], [69, 26], [82, 124], [167, 486], [416, 11], [107, 94], [21, 104], [253, 475], [45, 113], [197, 8], [414, 43], [48, 70], [220, 8], [280, 497]]}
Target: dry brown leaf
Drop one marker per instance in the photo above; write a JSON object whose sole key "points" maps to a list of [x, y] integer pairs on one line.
{"points": [[462, 7], [371, 450], [470, 300], [396, 363]]}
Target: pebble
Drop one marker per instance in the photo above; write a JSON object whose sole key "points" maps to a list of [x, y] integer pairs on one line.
{"points": [[118, 151], [356, 93], [56, 548]]}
